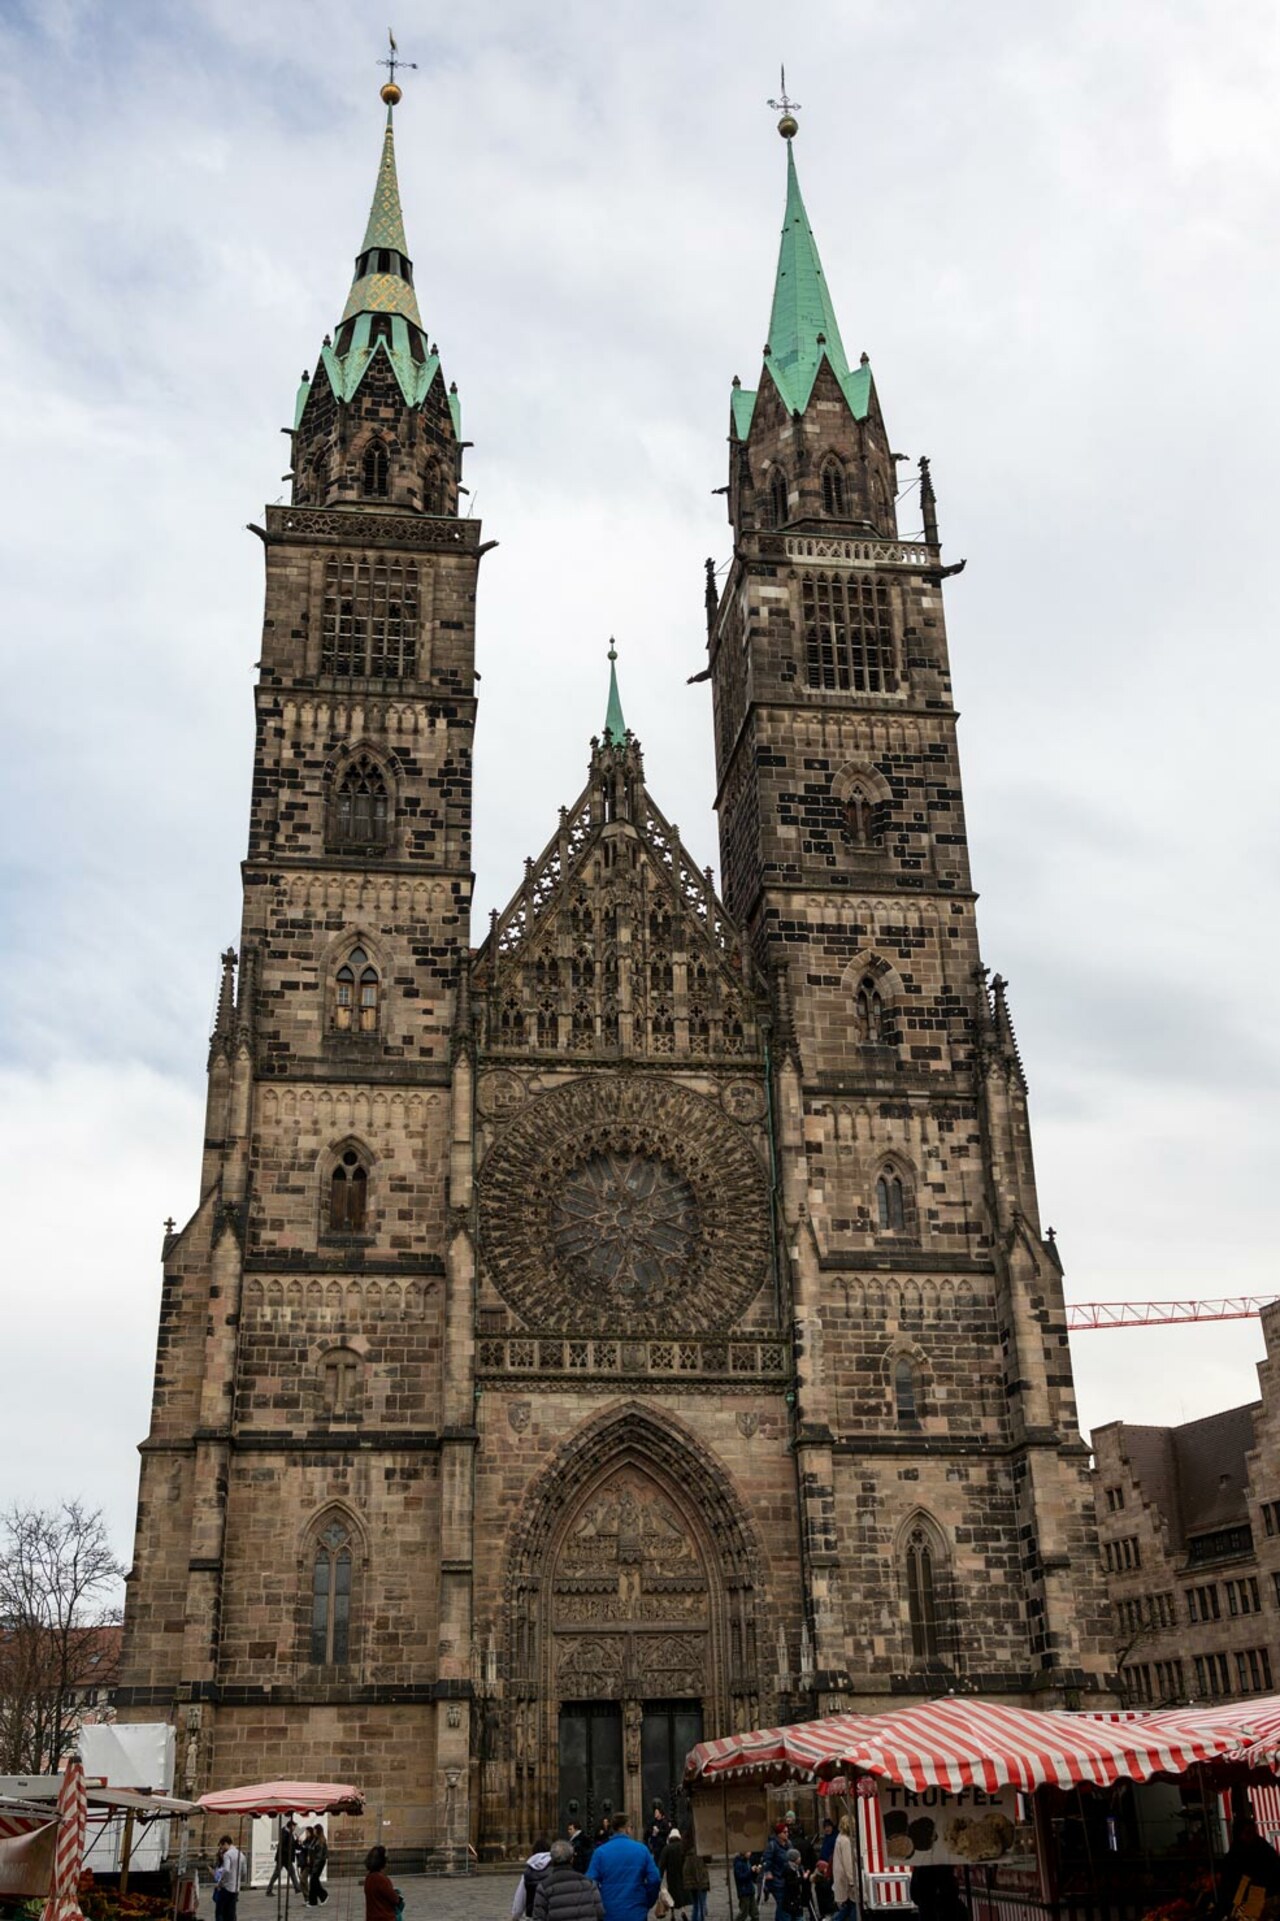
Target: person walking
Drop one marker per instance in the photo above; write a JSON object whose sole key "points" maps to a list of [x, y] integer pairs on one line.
{"points": [[381, 1898], [565, 1894], [317, 1858], [626, 1874], [671, 1868], [233, 1872], [286, 1848], [697, 1881], [531, 1879], [844, 1873]]}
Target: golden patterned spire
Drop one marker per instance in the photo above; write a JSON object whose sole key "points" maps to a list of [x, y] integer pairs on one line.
{"points": [[381, 285]]}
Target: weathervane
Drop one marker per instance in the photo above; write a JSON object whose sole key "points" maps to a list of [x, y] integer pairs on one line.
{"points": [[788, 126], [391, 92]]}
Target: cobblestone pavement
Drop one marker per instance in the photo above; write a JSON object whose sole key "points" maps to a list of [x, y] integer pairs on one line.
{"points": [[485, 1896]]}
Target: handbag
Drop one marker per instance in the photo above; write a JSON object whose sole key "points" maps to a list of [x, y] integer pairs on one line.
{"points": [[664, 1905]]}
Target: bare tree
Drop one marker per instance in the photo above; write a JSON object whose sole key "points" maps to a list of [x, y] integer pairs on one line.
{"points": [[56, 1573]]}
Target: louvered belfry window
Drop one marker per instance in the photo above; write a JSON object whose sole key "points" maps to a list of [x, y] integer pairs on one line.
{"points": [[848, 632], [370, 625]]}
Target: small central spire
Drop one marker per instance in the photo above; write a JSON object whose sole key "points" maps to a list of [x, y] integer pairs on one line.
{"points": [[615, 727]]}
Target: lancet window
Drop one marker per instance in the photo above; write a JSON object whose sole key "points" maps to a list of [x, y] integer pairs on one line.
{"points": [[361, 812], [356, 995], [331, 1597], [906, 1395], [375, 471], [777, 507], [922, 1579], [833, 502], [348, 1194], [890, 1201], [869, 1013]]}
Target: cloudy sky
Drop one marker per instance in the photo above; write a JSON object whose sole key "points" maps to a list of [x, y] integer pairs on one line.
{"points": [[1055, 231]]}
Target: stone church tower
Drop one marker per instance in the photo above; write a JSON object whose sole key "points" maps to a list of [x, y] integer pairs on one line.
{"points": [[639, 1326]]}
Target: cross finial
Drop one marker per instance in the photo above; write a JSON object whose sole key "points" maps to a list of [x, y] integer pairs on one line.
{"points": [[788, 126], [391, 92]]}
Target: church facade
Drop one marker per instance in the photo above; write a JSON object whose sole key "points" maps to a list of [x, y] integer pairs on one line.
{"points": [[629, 1322]]}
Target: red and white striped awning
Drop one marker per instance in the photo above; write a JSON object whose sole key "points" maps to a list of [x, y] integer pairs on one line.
{"points": [[1254, 1721], [958, 1743]]}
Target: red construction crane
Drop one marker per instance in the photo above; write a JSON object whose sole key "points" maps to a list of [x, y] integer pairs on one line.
{"points": [[1086, 1314]]}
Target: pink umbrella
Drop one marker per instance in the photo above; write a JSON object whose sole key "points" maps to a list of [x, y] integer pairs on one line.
{"points": [[63, 1903], [282, 1797]]}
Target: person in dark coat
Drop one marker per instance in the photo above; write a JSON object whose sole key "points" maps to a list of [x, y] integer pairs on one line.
{"points": [[286, 1847], [774, 1863], [793, 1896], [564, 1894], [627, 1874], [659, 1829], [1248, 1858], [697, 1880], [580, 1842], [671, 1868], [317, 1860], [744, 1882], [936, 1894]]}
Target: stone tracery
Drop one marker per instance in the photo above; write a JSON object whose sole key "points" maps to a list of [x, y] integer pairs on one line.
{"points": [[635, 1199]]}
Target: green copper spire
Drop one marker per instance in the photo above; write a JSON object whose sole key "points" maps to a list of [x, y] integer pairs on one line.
{"points": [[803, 329], [803, 320], [384, 285], [615, 727]]}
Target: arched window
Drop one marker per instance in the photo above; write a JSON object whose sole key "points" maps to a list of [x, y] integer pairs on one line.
{"points": [[319, 479], [859, 816], [777, 499], [906, 1399], [361, 809], [355, 1000], [340, 1381], [833, 490], [922, 1595], [376, 471], [890, 1202], [869, 1012], [348, 1194], [331, 1597]]}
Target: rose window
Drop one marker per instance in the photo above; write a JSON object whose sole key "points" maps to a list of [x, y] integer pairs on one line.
{"points": [[626, 1224]]}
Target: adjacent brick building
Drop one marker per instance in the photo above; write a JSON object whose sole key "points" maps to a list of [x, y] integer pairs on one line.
{"points": [[1189, 1534], [638, 1326]]}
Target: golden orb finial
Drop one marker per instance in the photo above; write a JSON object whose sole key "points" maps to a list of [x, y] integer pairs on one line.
{"points": [[788, 126], [391, 94]]}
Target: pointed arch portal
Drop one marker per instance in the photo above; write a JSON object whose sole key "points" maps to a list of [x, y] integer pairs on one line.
{"points": [[632, 1620]]}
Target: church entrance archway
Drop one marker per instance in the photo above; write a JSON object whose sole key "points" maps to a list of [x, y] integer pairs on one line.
{"points": [[632, 1625]]}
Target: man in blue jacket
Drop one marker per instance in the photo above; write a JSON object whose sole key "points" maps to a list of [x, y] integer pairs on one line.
{"points": [[626, 1874]]}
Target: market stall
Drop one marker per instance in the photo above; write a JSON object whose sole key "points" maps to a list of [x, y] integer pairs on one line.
{"points": [[313, 1801], [951, 1779], [43, 1833]]}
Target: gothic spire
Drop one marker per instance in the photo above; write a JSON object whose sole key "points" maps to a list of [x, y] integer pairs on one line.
{"points": [[381, 315], [383, 279], [803, 329], [615, 727]]}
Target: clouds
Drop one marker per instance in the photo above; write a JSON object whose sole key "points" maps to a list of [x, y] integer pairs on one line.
{"points": [[1052, 232]]}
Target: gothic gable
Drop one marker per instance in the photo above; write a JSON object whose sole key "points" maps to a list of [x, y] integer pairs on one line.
{"points": [[616, 944]]}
